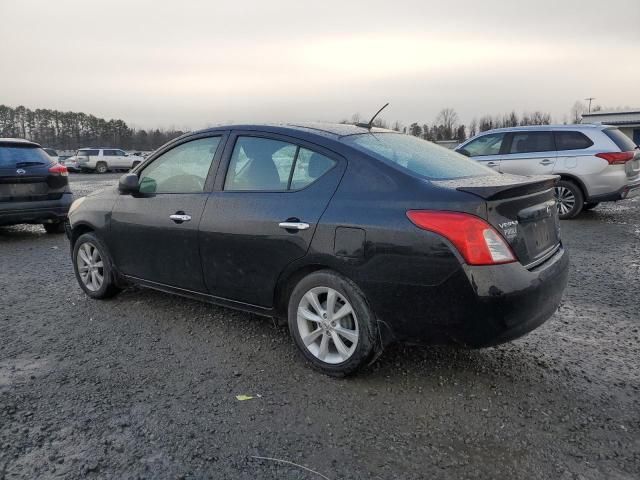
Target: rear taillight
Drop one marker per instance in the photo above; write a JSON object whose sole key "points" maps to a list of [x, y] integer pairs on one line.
{"points": [[59, 170], [616, 158], [477, 241]]}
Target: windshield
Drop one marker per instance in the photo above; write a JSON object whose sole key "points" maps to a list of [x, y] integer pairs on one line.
{"points": [[418, 156], [22, 156]]}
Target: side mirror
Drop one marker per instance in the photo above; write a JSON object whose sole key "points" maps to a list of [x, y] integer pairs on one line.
{"points": [[128, 184]]}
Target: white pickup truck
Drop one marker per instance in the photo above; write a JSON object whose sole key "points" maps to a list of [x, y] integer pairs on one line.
{"points": [[101, 160]]}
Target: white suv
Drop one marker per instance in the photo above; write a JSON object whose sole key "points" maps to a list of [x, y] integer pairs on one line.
{"points": [[104, 159], [596, 163]]}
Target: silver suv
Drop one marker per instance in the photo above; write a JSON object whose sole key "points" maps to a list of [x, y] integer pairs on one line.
{"points": [[596, 163]]}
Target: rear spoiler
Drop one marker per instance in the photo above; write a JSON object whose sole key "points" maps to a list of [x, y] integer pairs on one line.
{"points": [[502, 186]]}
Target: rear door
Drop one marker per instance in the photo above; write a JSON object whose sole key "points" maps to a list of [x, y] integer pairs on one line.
{"points": [[263, 213], [25, 175], [529, 153], [485, 149], [154, 235]]}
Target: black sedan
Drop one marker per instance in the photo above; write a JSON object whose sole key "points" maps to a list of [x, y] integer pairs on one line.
{"points": [[356, 236]]}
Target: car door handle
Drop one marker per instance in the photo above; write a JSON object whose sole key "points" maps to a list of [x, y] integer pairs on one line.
{"points": [[492, 164], [180, 217], [546, 161], [293, 225]]}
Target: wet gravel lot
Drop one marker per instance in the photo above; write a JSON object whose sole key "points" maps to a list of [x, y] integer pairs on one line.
{"points": [[145, 385]]}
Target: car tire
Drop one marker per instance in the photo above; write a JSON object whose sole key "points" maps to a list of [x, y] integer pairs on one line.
{"points": [[570, 199], [57, 227], [590, 205], [85, 261], [334, 346], [101, 167]]}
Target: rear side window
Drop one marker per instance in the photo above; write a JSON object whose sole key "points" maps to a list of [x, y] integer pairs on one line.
{"points": [[624, 143], [418, 156], [528, 142], [486, 145], [263, 164], [110, 153], [22, 156], [571, 141]]}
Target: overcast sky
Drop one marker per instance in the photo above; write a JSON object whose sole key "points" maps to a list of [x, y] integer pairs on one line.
{"points": [[192, 63]]}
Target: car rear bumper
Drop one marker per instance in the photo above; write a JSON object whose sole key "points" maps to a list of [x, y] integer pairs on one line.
{"points": [[477, 306], [13, 213], [628, 191]]}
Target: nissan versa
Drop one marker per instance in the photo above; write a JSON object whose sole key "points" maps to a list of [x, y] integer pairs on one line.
{"points": [[356, 236]]}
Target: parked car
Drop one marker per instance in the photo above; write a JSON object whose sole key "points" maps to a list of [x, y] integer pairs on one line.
{"points": [[357, 237], [70, 162], [52, 153], [33, 187], [596, 163], [102, 160]]}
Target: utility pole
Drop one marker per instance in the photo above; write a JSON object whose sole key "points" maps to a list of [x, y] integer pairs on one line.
{"points": [[590, 99]]}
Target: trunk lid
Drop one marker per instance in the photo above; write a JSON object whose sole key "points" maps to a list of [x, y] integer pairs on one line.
{"points": [[522, 209]]}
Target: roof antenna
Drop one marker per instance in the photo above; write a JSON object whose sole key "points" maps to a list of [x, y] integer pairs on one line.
{"points": [[369, 125]]}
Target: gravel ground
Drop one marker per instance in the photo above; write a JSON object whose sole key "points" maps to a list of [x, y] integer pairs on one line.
{"points": [[145, 385]]}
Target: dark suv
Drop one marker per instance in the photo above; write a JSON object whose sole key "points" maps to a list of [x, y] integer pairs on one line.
{"points": [[33, 187]]}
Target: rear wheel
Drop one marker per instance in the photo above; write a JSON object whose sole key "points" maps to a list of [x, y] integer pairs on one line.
{"points": [[101, 167], [331, 323], [590, 205], [57, 227], [570, 199], [93, 267]]}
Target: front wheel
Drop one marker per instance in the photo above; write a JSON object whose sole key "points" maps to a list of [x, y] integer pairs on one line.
{"points": [[93, 268], [569, 198], [331, 323]]}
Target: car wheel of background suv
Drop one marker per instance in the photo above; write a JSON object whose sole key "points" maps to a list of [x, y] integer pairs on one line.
{"points": [[570, 199], [93, 268], [57, 227], [101, 167], [331, 323]]}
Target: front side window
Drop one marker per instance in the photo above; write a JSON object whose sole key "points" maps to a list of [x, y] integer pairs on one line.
{"points": [[109, 153], [486, 145], [528, 142], [183, 169], [418, 156]]}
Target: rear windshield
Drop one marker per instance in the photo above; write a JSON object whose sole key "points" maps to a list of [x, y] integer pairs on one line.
{"points": [[624, 143], [22, 156], [418, 156]]}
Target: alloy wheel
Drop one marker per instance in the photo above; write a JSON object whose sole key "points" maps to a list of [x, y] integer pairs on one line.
{"points": [[90, 266], [566, 200], [327, 325]]}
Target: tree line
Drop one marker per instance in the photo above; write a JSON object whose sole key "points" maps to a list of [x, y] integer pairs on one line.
{"points": [[72, 130], [447, 126]]}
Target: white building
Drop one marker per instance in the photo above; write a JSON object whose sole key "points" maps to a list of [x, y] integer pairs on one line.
{"points": [[628, 121]]}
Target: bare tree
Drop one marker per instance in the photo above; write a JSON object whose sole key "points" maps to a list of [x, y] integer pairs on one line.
{"points": [[448, 119], [576, 112], [473, 127]]}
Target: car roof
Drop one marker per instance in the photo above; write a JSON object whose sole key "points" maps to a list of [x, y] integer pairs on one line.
{"points": [[330, 130], [18, 141], [575, 126]]}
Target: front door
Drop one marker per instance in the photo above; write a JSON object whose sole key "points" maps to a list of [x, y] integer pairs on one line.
{"points": [[529, 153], [263, 213], [485, 149], [155, 233]]}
